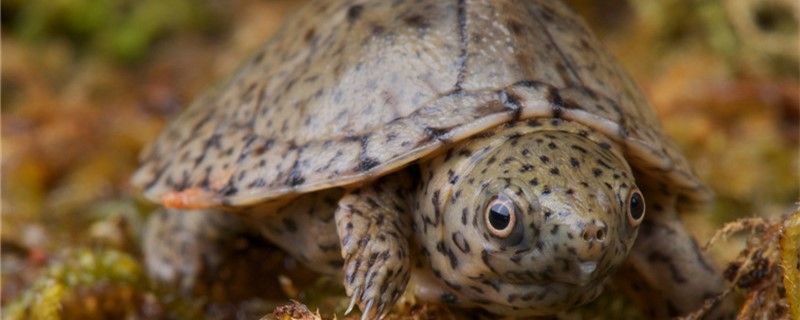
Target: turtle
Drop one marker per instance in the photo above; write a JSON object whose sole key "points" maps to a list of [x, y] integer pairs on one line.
{"points": [[480, 154]]}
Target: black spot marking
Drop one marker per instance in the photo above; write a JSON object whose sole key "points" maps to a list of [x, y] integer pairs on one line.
{"points": [[604, 164], [515, 27], [574, 162], [485, 259], [452, 178], [436, 133], [309, 35], [556, 101], [295, 178], [354, 12], [529, 83], [257, 183], [229, 189], [367, 164], [460, 242], [544, 159], [443, 249], [579, 148], [417, 21], [511, 102], [436, 209]]}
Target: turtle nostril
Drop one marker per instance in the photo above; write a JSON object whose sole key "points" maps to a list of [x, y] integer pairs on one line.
{"points": [[593, 233], [586, 235]]}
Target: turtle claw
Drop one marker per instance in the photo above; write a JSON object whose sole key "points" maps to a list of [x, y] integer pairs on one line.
{"points": [[376, 283], [352, 302], [366, 314], [375, 252]]}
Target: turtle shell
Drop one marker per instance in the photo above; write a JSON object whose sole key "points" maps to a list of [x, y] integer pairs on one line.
{"points": [[348, 91]]}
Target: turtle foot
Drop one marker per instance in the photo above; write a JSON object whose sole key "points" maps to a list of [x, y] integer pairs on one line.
{"points": [[375, 251]]}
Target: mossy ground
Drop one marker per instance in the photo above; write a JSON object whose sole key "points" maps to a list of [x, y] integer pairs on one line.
{"points": [[85, 84]]}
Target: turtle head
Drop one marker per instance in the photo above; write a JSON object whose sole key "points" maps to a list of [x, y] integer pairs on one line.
{"points": [[533, 220]]}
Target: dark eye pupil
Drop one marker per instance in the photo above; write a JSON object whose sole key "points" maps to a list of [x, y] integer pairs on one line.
{"points": [[637, 208], [499, 216]]}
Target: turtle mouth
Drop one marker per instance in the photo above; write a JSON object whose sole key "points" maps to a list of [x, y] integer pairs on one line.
{"points": [[586, 273], [582, 274]]}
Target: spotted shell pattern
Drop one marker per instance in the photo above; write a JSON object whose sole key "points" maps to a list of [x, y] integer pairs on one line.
{"points": [[351, 90]]}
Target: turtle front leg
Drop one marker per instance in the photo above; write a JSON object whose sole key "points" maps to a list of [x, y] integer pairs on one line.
{"points": [[374, 228], [676, 278]]}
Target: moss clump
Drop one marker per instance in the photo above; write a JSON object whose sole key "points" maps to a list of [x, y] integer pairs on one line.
{"points": [[64, 284]]}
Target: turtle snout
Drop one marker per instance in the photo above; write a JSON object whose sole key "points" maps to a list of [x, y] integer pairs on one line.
{"points": [[586, 243], [595, 232], [592, 241]]}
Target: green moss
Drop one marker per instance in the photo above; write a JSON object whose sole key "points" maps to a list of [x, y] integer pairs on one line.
{"points": [[81, 268], [123, 30]]}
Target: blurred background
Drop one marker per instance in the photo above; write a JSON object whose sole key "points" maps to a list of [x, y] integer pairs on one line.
{"points": [[87, 83]]}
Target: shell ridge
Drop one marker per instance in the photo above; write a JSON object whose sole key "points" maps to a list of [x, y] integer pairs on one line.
{"points": [[461, 17]]}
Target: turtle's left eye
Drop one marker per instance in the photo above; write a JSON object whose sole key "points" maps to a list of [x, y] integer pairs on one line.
{"points": [[636, 207], [500, 217]]}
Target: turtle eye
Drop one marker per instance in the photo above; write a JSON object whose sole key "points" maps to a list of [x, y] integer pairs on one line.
{"points": [[500, 217], [636, 207]]}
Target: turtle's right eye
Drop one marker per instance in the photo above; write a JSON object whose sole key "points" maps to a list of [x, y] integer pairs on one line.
{"points": [[500, 217]]}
